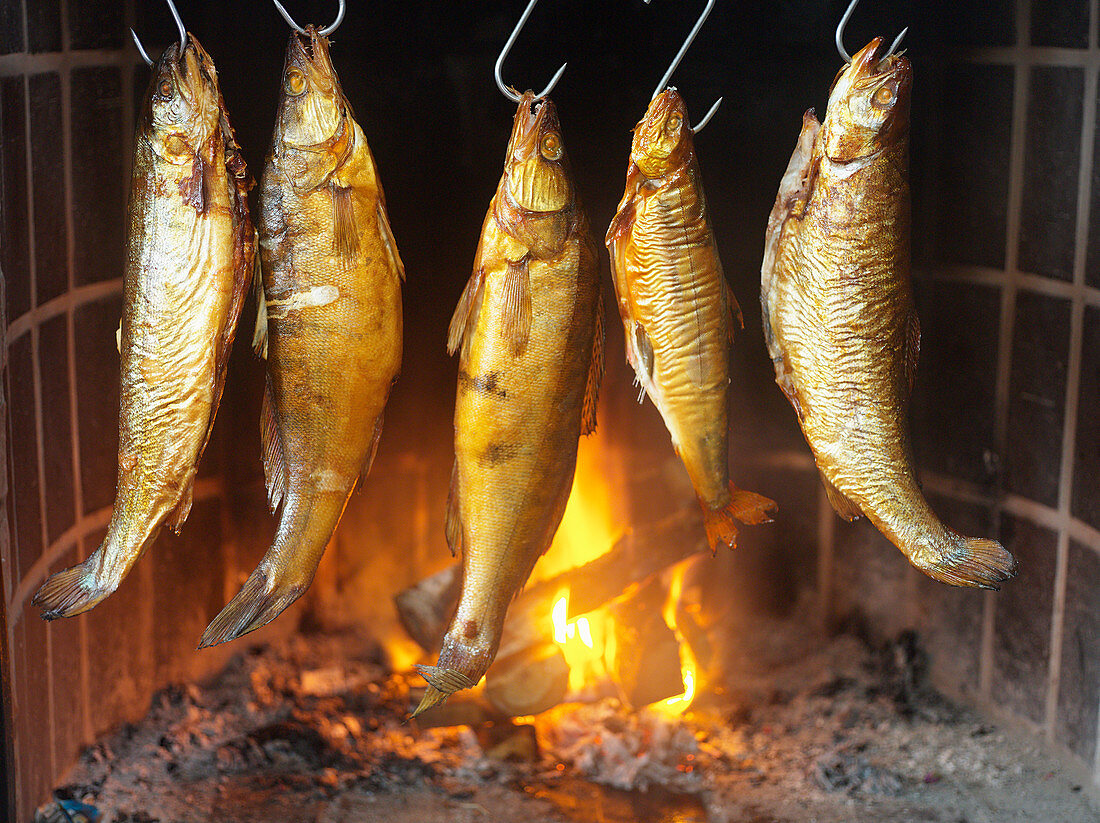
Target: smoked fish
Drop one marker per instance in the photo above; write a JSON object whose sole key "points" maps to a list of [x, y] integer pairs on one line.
{"points": [[678, 311], [839, 318], [190, 259], [530, 328], [329, 324]]}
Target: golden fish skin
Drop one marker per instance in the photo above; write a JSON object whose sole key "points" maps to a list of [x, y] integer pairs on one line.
{"points": [[330, 322], [678, 310], [530, 329], [191, 249], [839, 317]]}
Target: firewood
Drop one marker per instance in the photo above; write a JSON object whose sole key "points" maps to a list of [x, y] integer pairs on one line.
{"points": [[647, 658], [529, 682], [426, 608]]}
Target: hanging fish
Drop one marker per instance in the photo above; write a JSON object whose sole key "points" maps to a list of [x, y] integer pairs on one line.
{"points": [[678, 311], [191, 253], [839, 318], [329, 325], [530, 329]]}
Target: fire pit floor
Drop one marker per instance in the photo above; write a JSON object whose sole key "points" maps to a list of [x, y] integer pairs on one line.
{"points": [[314, 731]]}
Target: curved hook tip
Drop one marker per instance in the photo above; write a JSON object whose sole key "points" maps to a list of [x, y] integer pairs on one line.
{"points": [[709, 114], [505, 90], [141, 48], [179, 25], [326, 31]]}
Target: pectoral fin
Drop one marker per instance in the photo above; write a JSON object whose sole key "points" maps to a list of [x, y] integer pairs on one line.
{"points": [[345, 233], [453, 522], [377, 436], [642, 359], [183, 507], [516, 316], [259, 334]]}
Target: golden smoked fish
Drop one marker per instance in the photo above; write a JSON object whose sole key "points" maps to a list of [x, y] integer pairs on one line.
{"points": [[678, 311], [191, 252], [329, 322], [530, 329], [839, 317]]}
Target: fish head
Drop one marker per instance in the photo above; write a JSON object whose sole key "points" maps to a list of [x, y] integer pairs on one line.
{"points": [[182, 105], [662, 139], [536, 171], [312, 106], [868, 105]]}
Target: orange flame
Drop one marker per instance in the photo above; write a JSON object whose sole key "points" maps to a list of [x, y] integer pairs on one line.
{"points": [[676, 706]]}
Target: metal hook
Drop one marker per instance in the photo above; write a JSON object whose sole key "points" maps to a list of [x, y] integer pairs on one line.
{"points": [[179, 25], [680, 56], [325, 32], [511, 95], [840, 34]]}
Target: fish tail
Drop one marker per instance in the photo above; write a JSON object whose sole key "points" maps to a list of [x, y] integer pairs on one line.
{"points": [[71, 592], [977, 562], [442, 683], [745, 507], [260, 600]]}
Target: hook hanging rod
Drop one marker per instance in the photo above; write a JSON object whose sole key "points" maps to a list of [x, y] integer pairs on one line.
{"points": [[661, 86], [840, 34], [507, 92], [179, 25], [325, 32]]}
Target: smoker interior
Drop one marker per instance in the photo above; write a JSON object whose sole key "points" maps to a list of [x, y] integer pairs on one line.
{"points": [[1007, 272]]}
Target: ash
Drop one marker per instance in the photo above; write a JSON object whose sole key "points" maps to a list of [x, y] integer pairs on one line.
{"points": [[314, 730]]}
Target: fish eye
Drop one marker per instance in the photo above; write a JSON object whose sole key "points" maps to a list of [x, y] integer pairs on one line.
{"points": [[674, 122], [165, 88], [295, 82], [550, 146], [883, 96]]}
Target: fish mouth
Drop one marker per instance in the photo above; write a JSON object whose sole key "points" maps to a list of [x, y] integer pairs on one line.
{"points": [[310, 53], [538, 177], [533, 119], [871, 67]]}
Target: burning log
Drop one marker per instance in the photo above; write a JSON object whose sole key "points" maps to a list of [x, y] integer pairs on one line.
{"points": [[426, 608], [648, 653], [529, 682]]}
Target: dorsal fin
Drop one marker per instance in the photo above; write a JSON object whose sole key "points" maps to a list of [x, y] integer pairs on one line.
{"points": [[272, 448], [595, 372], [465, 316]]}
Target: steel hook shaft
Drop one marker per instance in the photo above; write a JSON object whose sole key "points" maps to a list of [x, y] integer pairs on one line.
{"points": [[325, 32], [507, 92], [179, 25], [661, 86], [840, 34]]}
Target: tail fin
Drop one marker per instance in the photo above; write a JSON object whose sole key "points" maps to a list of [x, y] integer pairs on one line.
{"points": [[260, 600], [442, 683], [748, 507], [971, 561], [71, 592]]}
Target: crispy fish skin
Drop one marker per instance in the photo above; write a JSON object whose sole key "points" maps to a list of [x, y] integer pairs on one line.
{"points": [[190, 259], [678, 310], [332, 306], [839, 318], [530, 329]]}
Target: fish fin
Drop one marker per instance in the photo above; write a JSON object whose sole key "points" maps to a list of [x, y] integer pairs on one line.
{"points": [[453, 521], [595, 372], [259, 334], [272, 448], [516, 311], [442, 683], [745, 507], [345, 234], [976, 562], [375, 438], [643, 357], [784, 378], [465, 316], [259, 601], [183, 507], [388, 240], [912, 350], [736, 318], [842, 505], [70, 592], [118, 337], [193, 189]]}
